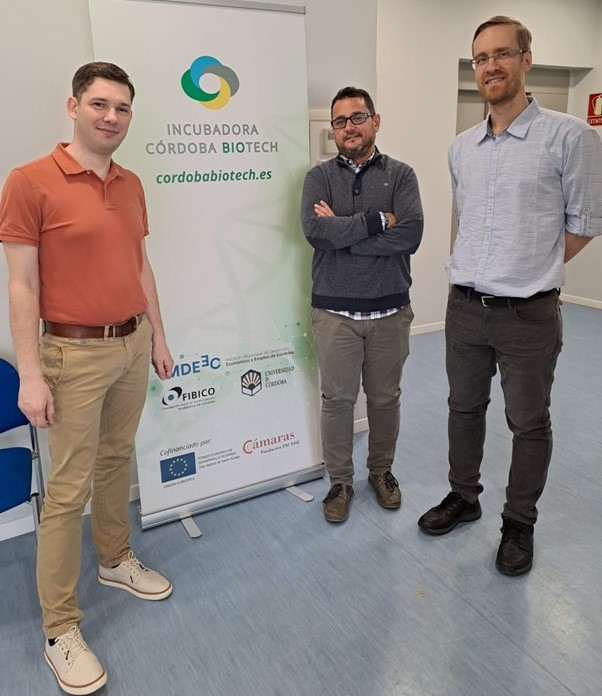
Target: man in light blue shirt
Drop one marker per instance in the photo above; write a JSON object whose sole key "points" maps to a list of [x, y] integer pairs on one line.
{"points": [[527, 185]]}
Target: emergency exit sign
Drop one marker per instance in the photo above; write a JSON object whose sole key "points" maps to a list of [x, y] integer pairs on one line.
{"points": [[594, 109]]}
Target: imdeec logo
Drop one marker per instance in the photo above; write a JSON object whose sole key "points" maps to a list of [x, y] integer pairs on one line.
{"points": [[208, 65]]}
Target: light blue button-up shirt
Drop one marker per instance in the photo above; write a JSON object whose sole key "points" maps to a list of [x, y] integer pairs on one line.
{"points": [[516, 193]]}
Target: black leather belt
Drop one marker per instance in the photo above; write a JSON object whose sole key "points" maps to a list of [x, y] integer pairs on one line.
{"points": [[125, 328], [499, 301]]}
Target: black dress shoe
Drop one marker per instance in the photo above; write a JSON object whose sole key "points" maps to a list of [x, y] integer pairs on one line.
{"points": [[452, 510], [515, 554]]}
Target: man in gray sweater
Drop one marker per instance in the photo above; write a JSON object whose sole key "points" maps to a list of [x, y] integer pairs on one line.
{"points": [[362, 214]]}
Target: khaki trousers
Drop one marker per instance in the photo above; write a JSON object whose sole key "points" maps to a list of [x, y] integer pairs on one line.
{"points": [[375, 351], [99, 389]]}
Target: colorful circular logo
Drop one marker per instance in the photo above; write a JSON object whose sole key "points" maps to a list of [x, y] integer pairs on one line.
{"points": [[208, 65]]}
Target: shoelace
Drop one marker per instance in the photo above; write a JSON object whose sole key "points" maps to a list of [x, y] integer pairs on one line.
{"points": [[390, 481], [515, 531], [450, 499], [133, 565], [72, 644], [333, 492]]}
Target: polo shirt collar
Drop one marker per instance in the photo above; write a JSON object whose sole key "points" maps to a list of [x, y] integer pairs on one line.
{"points": [[71, 166]]}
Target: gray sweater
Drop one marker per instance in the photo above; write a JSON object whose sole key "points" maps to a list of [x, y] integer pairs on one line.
{"points": [[358, 267]]}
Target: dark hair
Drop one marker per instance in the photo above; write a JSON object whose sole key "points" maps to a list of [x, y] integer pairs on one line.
{"points": [[86, 75], [523, 35], [354, 93]]}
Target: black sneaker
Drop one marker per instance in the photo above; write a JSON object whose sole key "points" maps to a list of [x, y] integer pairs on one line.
{"points": [[337, 502], [515, 554], [452, 510]]}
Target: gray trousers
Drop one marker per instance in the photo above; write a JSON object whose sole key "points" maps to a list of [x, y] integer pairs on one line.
{"points": [[375, 351], [524, 340]]}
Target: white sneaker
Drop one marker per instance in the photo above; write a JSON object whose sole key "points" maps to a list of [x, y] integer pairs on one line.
{"points": [[132, 576], [75, 666]]}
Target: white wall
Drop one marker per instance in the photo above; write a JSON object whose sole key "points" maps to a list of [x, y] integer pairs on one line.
{"points": [[584, 273], [40, 49], [419, 43], [41, 46], [341, 47]]}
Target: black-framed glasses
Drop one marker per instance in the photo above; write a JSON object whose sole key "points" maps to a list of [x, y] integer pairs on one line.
{"points": [[499, 57], [356, 119]]}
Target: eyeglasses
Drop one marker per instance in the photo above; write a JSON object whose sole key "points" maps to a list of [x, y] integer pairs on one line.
{"points": [[500, 56], [356, 119]]}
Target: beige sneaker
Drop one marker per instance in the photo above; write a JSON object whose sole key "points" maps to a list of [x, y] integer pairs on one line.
{"points": [[132, 576], [75, 666]]}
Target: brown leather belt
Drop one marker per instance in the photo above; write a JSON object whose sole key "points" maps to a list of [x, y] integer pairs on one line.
{"points": [[125, 328]]}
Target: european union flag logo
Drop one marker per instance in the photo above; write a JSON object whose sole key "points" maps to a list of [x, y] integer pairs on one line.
{"points": [[178, 467]]}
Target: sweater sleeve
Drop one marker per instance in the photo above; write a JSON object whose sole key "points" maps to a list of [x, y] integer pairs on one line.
{"points": [[329, 233], [404, 237]]}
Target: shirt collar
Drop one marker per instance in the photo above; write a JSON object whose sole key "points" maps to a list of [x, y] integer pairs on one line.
{"points": [[358, 167], [519, 127], [71, 166]]}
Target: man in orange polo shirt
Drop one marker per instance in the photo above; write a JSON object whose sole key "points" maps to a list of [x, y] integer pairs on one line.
{"points": [[73, 225]]}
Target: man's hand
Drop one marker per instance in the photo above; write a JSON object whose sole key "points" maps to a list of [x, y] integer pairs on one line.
{"points": [[322, 209], [573, 244], [161, 359], [35, 400]]}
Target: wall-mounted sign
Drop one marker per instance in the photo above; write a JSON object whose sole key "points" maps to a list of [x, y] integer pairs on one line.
{"points": [[594, 109]]}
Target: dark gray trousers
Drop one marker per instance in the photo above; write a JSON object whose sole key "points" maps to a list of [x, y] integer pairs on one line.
{"points": [[524, 340]]}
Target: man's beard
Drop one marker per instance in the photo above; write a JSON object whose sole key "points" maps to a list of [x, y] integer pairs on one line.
{"points": [[359, 151], [511, 89]]}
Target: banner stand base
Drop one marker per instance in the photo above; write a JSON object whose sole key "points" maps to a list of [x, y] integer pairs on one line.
{"points": [[191, 527], [154, 519], [300, 493]]}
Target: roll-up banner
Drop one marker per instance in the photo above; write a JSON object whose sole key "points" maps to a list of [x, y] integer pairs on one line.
{"points": [[219, 139]]}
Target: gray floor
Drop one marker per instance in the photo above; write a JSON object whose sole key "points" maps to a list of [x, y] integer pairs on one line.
{"points": [[272, 601]]}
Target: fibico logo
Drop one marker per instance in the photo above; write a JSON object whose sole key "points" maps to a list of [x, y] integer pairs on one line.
{"points": [[178, 395], [249, 446]]}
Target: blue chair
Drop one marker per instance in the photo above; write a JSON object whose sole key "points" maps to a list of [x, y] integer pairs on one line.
{"points": [[18, 465]]}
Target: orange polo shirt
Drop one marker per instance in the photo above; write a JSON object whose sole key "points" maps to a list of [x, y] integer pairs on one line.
{"points": [[88, 232]]}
